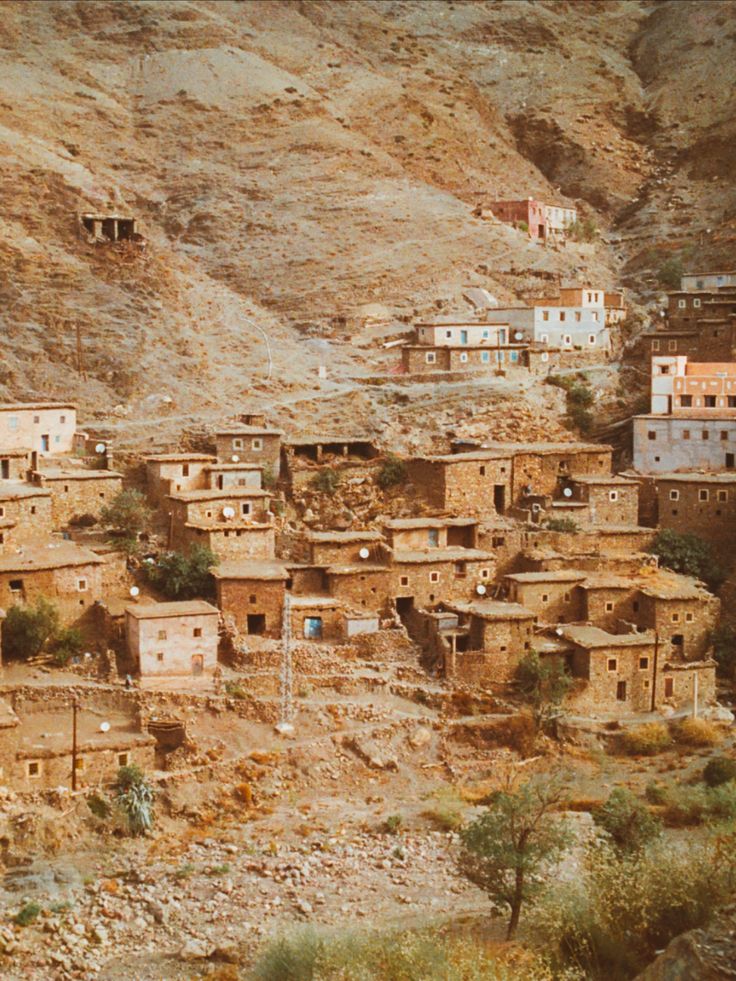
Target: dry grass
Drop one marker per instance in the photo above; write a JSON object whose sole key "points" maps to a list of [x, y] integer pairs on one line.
{"points": [[697, 732], [645, 740]]}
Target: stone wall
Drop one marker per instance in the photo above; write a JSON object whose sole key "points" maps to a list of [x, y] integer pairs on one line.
{"points": [[72, 496], [261, 600]]}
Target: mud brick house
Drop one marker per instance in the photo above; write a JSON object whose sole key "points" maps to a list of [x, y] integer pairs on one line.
{"points": [[350, 456], [45, 428], [109, 227], [487, 640], [70, 576], [172, 640], [361, 587], [550, 595], [702, 504], [708, 280], [422, 577], [14, 464], [608, 600], [471, 483], [231, 522], [592, 500], [681, 611], [697, 442], [78, 492], [221, 476], [169, 473], [612, 301], [429, 533], [252, 594], [25, 514], [317, 617], [256, 444], [329, 547], [420, 359], [35, 740]]}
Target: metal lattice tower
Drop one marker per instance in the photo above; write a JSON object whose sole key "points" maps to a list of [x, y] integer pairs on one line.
{"points": [[285, 723]]}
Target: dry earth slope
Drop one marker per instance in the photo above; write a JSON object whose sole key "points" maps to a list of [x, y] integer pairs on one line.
{"points": [[294, 162]]}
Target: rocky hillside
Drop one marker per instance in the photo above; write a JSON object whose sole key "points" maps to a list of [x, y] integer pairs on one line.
{"points": [[301, 168]]}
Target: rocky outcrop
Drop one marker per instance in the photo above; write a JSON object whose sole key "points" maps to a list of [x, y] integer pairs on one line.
{"points": [[707, 954]]}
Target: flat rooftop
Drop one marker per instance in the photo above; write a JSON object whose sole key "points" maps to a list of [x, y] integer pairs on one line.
{"points": [[16, 490], [604, 479], [697, 477], [180, 458], [79, 473], [214, 494], [182, 608], [343, 537], [243, 430], [250, 569], [441, 555], [493, 610], [52, 556], [407, 524], [553, 575], [17, 406], [591, 637]]}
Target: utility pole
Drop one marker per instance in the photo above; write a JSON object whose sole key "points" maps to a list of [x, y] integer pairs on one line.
{"points": [[75, 707]]}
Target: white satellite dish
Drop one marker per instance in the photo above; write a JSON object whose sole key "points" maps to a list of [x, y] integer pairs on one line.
{"points": [[536, 507], [567, 492], [104, 726], [100, 448], [134, 591], [228, 512], [364, 553], [518, 335], [235, 458], [480, 589]]}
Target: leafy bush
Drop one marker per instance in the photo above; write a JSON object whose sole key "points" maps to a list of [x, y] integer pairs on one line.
{"points": [[181, 577], [544, 682], [27, 914], [268, 478], [326, 481], [723, 639], [393, 823], [28, 628], [99, 806], [67, 643], [392, 472], [627, 821], [686, 806], [722, 802], [608, 923], [689, 555], [670, 273], [135, 799], [697, 732], [581, 418], [584, 230], [127, 515], [656, 792], [561, 524], [719, 770], [645, 740], [83, 521]]}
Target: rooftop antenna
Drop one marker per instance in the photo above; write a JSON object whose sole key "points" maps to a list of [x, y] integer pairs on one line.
{"points": [[285, 724]]}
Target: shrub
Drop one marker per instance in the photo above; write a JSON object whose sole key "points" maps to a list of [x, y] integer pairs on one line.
{"points": [[135, 799], [719, 770], [670, 273], [99, 806], [656, 792], [83, 521], [561, 524], [686, 806], [292, 959], [584, 230], [626, 820], [67, 643], [181, 577], [27, 914], [326, 481], [696, 732], [268, 478], [393, 823], [722, 801], [447, 812], [28, 628], [544, 682], [581, 418], [392, 472], [723, 639], [127, 515], [645, 740], [689, 555]]}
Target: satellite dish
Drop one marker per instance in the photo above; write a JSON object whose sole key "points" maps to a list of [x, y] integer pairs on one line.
{"points": [[228, 512], [536, 507], [558, 631], [567, 492], [480, 589], [104, 726], [235, 458], [518, 335], [134, 591], [100, 448], [364, 553]]}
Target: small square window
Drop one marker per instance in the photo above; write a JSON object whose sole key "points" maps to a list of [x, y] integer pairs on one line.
{"points": [[612, 664], [62, 419], [33, 768], [655, 345], [16, 585], [722, 495], [123, 759], [643, 663], [162, 635], [706, 434], [609, 607], [674, 495], [686, 434], [703, 495], [545, 597], [689, 618], [37, 419], [404, 580], [651, 435], [430, 357], [613, 495], [82, 585], [434, 577], [252, 598], [197, 632], [256, 444], [245, 509], [237, 444], [160, 656], [675, 617]]}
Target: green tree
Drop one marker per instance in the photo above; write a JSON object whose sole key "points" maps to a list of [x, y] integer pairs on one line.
{"points": [[392, 473], [27, 629], [135, 798], [627, 821], [127, 515], [181, 577], [689, 555], [66, 644], [505, 849], [670, 273], [544, 682]]}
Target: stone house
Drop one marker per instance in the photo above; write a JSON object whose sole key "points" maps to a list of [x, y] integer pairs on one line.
{"points": [[526, 211], [592, 499], [222, 476], [550, 595], [537, 468], [78, 492], [173, 640], [231, 522], [549, 323], [681, 611], [25, 515], [708, 280], [470, 483], [334, 547], [170, 473], [252, 594], [44, 428], [430, 533], [255, 444], [487, 641], [420, 359], [459, 334], [14, 464], [360, 588], [70, 576], [663, 444], [423, 577], [702, 504]]}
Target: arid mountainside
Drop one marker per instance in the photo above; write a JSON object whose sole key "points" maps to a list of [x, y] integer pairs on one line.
{"points": [[302, 167]]}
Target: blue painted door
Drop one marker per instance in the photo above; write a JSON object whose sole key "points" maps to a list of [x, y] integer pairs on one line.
{"points": [[313, 628]]}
